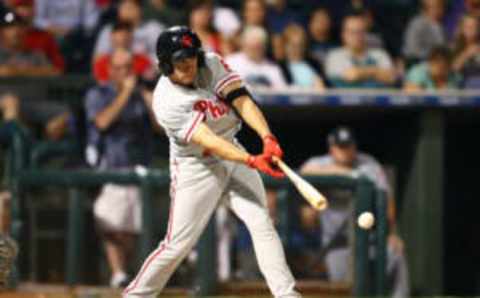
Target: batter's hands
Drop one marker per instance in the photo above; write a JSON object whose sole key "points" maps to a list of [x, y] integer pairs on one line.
{"points": [[263, 163], [271, 147]]}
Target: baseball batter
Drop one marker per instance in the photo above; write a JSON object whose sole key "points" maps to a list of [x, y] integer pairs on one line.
{"points": [[201, 102]]}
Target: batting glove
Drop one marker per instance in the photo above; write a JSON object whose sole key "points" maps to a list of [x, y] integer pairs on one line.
{"points": [[263, 163], [271, 147]]}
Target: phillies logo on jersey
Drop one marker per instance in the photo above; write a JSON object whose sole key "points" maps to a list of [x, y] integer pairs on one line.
{"points": [[216, 110]]}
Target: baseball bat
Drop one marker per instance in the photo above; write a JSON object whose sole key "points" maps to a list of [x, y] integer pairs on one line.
{"points": [[309, 193]]}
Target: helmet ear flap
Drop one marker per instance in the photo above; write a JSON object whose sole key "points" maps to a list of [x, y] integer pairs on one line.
{"points": [[165, 68]]}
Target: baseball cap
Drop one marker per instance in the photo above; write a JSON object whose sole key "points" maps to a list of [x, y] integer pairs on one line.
{"points": [[341, 136]]}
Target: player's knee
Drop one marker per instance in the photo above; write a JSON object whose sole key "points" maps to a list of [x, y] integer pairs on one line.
{"points": [[261, 226]]}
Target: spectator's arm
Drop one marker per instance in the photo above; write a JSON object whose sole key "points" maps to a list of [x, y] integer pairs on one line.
{"points": [[57, 126], [462, 58], [104, 119], [330, 169], [413, 80], [147, 96], [319, 84]]}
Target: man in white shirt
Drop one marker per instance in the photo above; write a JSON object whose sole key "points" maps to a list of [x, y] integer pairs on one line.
{"points": [[251, 62]]}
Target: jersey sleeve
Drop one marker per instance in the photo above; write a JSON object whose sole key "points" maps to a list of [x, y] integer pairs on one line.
{"points": [[222, 74], [179, 122]]}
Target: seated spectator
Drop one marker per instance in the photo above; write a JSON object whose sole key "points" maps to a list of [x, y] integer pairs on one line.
{"points": [[298, 69], [320, 31], [144, 33], [121, 38], [38, 39], [425, 31], [356, 65], [200, 21], [251, 63], [434, 74], [15, 59], [162, 12], [62, 17], [118, 138], [455, 13], [343, 158], [466, 49]]}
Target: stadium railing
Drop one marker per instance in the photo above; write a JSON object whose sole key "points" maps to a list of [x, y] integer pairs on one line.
{"points": [[23, 176]]}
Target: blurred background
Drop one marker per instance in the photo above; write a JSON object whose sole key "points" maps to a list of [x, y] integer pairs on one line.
{"points": [[374, 101]]}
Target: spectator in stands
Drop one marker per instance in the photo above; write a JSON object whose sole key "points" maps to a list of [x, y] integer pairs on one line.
{"points": [[374, 39], [62, 17], [425, 31], [252, 64], [38, 39], [118, 138], [161, 12], [144, 33], [434, 74], [354, 64], [15, 58], [121, 38], [320, 31], [456, 11], [200, 21], [466, 51], [344, 159], [299, 69]]}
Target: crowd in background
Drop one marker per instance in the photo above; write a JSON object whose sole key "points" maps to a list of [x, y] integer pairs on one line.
{"points": [[415, 45], [427, 44]]}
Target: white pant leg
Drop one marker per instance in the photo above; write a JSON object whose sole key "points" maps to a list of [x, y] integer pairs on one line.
{"points": [[192, 206], [224, 243], [248, 201]]}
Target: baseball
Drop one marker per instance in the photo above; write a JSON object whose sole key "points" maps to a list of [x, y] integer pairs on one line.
{"points": [[366, 220]]}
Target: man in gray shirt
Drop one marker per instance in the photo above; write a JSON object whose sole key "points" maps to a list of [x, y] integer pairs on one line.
{"points": [[425, 31], [118, 138], [344, 159]]}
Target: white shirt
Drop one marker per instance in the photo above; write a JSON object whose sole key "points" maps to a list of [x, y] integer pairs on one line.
{"points": [[263, 74]]}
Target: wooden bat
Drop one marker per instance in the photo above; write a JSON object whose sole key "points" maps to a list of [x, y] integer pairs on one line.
{"points": [[310, 193]]}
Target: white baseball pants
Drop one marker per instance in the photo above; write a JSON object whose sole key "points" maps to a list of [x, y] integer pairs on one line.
{"points": [[197, 189]]}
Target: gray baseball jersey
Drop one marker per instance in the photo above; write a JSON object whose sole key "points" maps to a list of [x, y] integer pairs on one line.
{"points": [[179, 110]]}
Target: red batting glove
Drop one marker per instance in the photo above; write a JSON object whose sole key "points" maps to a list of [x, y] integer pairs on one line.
{"points": [[263, 163], [271, 147]]}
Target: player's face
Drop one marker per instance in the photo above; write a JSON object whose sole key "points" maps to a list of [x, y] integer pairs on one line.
{"points": [[185, 71], [344, 155]]}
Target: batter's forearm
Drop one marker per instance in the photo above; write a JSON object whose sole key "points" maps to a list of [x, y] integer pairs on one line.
{"points": [[218, 146], [252, 115]]}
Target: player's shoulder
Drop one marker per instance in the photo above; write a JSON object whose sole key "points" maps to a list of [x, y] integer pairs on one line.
{"points": [[168, 96]]}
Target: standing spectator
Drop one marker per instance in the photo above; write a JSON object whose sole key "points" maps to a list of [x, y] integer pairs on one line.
{"points": [[252, 64], [466, 51], [144, 33], [121, 38], [425, 31], [15, 59], [434, 74], [118, 138], [344, 159], [161, 12], [279, 16], [299, 69], [374, 39], [356, 65], [38, 39], [320, 31], [62, 17], [200, 21]]}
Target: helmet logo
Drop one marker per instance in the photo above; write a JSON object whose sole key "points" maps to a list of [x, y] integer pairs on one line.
{"points": [[186, 41]]}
